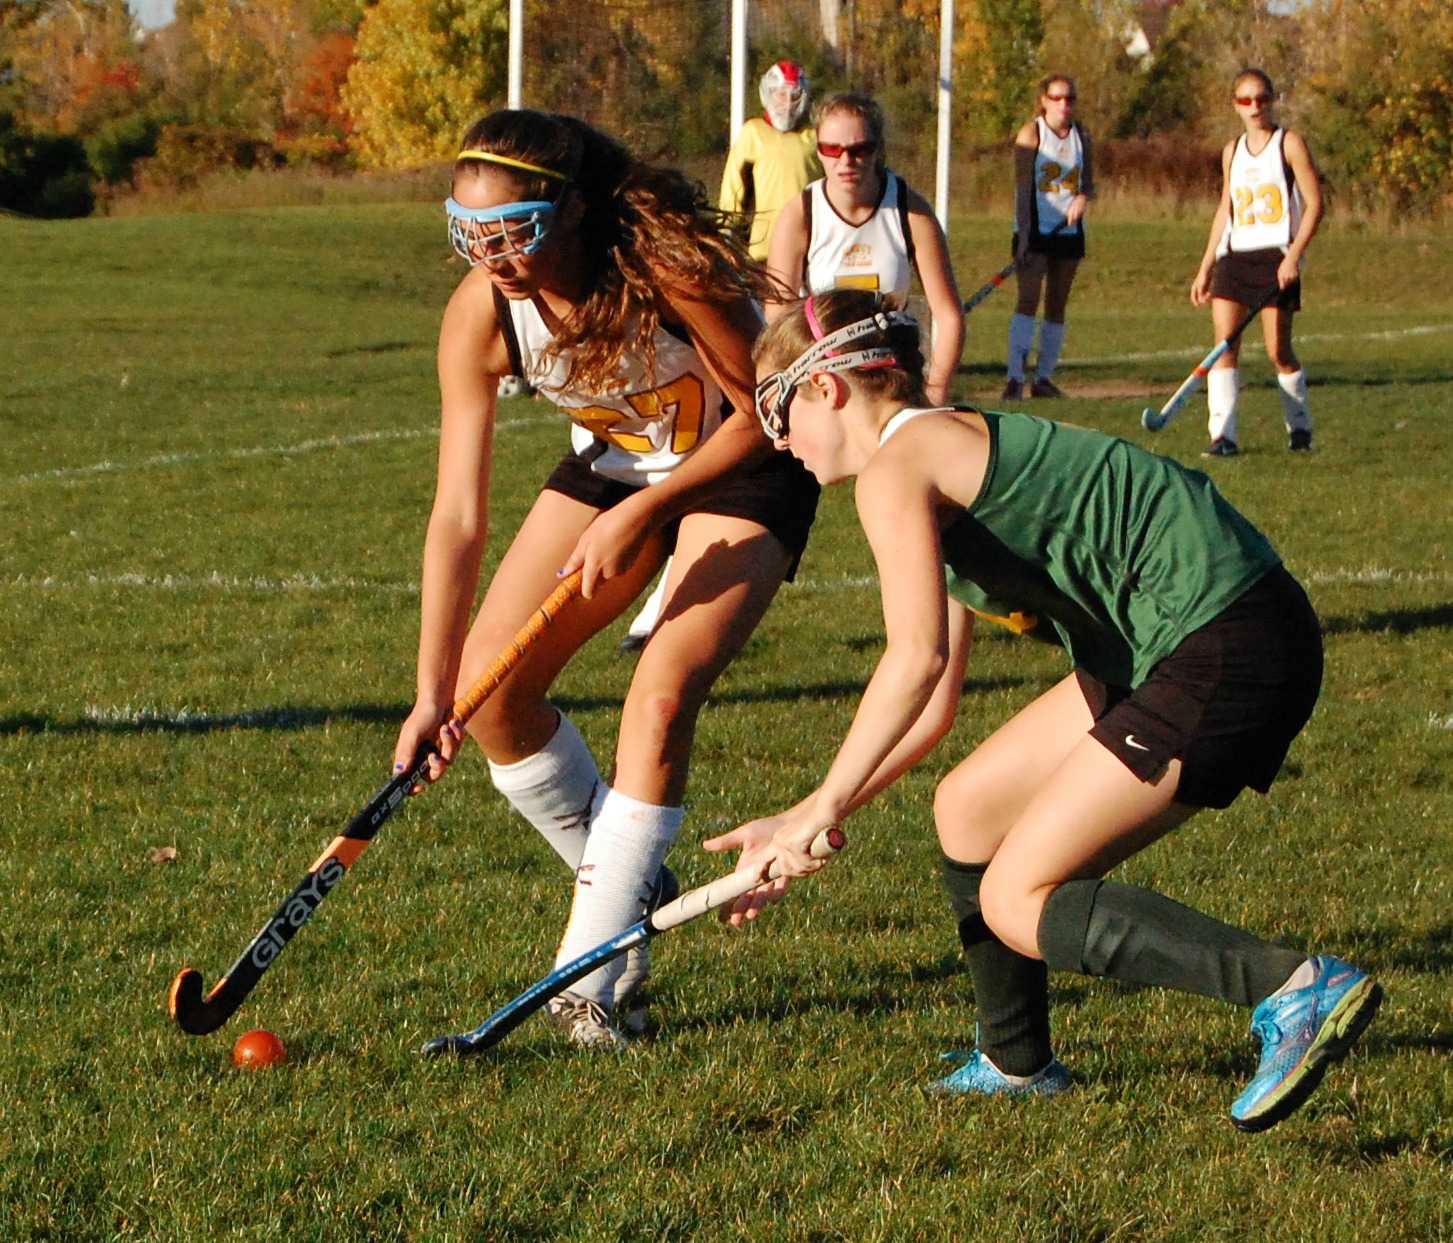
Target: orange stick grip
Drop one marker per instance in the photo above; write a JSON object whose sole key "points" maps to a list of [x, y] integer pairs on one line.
{"points": [[488, 681]]}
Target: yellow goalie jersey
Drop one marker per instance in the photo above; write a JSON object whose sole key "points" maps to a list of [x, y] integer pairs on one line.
{"points": [[764, 169]]}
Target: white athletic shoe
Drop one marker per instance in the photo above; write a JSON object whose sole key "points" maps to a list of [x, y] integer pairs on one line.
{"points": [[585, 1022]]}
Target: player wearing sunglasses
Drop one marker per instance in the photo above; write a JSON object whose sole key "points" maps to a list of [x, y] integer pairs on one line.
{"points": [[610, 285], [1197, 659], [1053, 185], [860, 226], [1271, 205]]}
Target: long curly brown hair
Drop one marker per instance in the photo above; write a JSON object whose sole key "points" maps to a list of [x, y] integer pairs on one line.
{"points": [[644, 228]]}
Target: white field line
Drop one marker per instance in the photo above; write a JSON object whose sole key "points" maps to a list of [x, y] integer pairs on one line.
{"points": [[188, 718], [126, 714], [339, 442], [1196, 351], [209, 582], [260, 451], [1368, 575]]}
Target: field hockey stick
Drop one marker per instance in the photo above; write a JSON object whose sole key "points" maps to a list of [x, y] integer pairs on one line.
{"points": [[1003, 274], [687, 907], [198, 1015], [1153, 422]]}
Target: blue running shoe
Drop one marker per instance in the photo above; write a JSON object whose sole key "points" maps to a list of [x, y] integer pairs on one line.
{"points": [[978, 1075], [1302, 1033]]}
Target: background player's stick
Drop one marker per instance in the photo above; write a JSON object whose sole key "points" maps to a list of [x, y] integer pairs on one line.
{"points": [[1153, 422], [1002, 275], [198, 1015], [687, 907]]}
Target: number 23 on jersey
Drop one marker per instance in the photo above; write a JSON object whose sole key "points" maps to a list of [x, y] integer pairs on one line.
{"points": [[1261, 204]]}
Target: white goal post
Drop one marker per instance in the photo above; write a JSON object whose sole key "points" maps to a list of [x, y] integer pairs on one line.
{"points": [[740, 70]]}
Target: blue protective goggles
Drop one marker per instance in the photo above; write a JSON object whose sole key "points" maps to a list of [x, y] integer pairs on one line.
{"points": [[488, 235]]}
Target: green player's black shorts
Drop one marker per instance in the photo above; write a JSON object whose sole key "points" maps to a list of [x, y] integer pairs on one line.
{"points": [[778, 492], [1227, 702]]}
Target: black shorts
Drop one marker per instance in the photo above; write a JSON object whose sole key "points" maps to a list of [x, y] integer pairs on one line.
{"points": [[1228, 701], [779, 493], [1063, 245], [1244, 276]]}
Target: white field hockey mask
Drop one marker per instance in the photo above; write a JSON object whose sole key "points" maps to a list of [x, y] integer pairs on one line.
{"points": [[784, 95]]}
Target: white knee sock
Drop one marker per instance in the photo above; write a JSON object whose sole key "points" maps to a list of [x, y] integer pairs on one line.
{"points": [[1051, 339], [556, 790], [1223, 387], [650, 612], [1294, 401], [1021, 338], [628, 840]]}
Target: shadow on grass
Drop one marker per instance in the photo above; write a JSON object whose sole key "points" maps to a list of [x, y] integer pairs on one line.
{"points": [[302, 717], [1389, 948], [1388, 1147], [378, 347], [1395, 621]]}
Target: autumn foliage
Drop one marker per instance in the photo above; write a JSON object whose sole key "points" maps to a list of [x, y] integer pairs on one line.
{"points": [[91, 106]]}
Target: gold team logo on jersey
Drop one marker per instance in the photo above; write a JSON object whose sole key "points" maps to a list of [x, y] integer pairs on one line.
{"points": [[858, 255]]}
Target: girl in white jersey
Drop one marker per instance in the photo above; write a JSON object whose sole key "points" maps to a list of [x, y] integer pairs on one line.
{"points": [[1053, 185], [861, 227], [1271, 205], [611, 288], [857, 227]]}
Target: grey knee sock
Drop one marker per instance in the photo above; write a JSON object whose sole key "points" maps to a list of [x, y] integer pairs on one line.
{"points": [[1102, 928], [1011, 991]]}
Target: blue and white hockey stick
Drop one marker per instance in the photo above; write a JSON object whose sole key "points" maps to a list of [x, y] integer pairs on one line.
{"points": [[687, 907], [1002, 275], [1153, 422]]}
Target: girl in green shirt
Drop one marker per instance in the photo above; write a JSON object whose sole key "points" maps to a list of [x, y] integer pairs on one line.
{"points": [[1197, 659]]}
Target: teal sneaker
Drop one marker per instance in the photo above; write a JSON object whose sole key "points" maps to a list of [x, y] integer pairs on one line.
{"points": [[979, 1076], [1302, 1033]]}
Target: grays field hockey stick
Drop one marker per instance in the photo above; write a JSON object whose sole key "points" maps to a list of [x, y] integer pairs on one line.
{"points": [[197, 1015], [687, 907], [1003, 274], [1153, 422]]}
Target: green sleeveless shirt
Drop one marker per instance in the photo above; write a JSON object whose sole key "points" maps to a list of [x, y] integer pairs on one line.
{"points": [[1124, 551]]}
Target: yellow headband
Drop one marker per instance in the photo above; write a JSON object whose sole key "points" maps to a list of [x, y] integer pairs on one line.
{"points": [[473, 153]]}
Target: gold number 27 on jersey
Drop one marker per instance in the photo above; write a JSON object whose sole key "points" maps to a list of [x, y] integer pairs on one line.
{"points": [[682, 402]]}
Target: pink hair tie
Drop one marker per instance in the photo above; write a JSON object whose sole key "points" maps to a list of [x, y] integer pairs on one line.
{"points": [[817, 332]]}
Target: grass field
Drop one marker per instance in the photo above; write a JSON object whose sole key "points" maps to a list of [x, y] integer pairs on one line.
{"points": [[216, 463]]}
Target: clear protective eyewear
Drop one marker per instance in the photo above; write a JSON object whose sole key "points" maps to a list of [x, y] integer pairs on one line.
{"points": [[774, 393], [519, 229]]}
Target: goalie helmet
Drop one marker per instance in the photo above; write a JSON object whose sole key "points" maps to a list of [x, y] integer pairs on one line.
{"points": [[784, 95]]}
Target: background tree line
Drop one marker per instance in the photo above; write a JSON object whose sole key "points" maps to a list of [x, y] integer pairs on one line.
{"points": [[91, 106]]}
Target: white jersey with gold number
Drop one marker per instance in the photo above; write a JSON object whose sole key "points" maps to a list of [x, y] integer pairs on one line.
{"points": [[1059, 169], [636, 434], [1266, 207], [873, 255]]}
